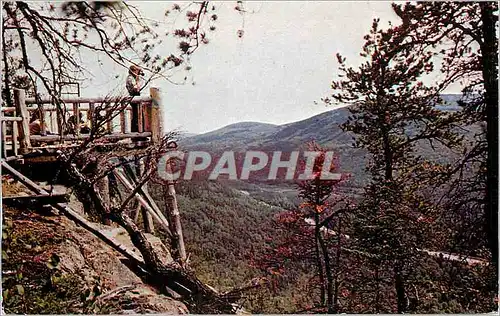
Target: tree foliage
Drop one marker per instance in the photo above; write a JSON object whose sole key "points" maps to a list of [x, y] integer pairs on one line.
{"points": [[465, 36]]}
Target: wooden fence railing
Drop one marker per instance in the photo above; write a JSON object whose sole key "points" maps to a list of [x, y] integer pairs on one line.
{"points": [[9, 124], [15, 121]]}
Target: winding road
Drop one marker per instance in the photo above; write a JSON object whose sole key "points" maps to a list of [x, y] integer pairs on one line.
{"points": [[440, 254]]}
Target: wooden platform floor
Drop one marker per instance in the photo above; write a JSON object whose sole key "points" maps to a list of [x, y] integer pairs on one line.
{"points": [[48, 152]]}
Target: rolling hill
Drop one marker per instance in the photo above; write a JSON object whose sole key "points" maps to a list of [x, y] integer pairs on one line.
{"points": [[323, 128]]}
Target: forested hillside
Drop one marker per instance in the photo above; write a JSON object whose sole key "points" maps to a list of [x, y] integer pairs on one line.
{"points": [[230, 226], [226, 230]]}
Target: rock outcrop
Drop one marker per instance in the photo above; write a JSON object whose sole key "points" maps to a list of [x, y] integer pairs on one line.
{"points": [[80, 254]]}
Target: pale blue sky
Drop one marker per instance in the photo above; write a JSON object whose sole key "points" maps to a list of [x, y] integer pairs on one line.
{"points": [[284, 62]]}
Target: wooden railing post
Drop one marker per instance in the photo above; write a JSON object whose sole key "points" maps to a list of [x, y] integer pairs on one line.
{"points": [[51, 118], [60, 119], [154, 115], [140, 116], [109, 123], [43, 125], [76, 115], [90, 115], [122, 122], [24, 126], [15, 147], [4, 139]]}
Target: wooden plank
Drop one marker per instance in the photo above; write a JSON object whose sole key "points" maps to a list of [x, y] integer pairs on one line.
{"points": [[122, 121], [47, 108], [49, 138], [24, 129], [158, 216], [129, 172], [51, 119], [15, 144], [109, 123], [35, 200], [4, 139], [140, 127], [123, 148], [145, 193], [40, 159], [90, 115], [146, 216], [135, 212], [11, 119], [19, 158], [90, 100], [43, 124], [147, 116], [129, 119]]}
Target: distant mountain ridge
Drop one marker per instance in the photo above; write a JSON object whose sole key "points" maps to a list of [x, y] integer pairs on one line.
{"points": [[238, 132], [245, 135], [323, 128]]}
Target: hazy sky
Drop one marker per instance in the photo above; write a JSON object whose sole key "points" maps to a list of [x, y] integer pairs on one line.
{"points": [[284, 62]]}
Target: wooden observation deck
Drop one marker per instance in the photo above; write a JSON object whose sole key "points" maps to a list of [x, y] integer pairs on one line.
{"points": [[112, 130], [17, 142]]}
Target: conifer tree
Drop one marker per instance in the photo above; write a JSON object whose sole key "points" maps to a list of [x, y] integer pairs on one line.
{"points": [[393, 110]]}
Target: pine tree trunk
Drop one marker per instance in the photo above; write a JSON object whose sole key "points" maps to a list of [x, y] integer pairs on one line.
{"points": [[377, 291], [400, 288], [489, 49], [319, 263], [329, 275], [337, 266]]}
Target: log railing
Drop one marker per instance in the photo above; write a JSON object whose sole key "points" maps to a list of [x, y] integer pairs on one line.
{"points": [[9, 131], [15, 121]]}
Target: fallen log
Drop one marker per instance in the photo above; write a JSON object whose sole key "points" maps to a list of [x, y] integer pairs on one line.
{"points": [[34, 200], [157, 215], [173, 212], [194, 292], [130, 173]]}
